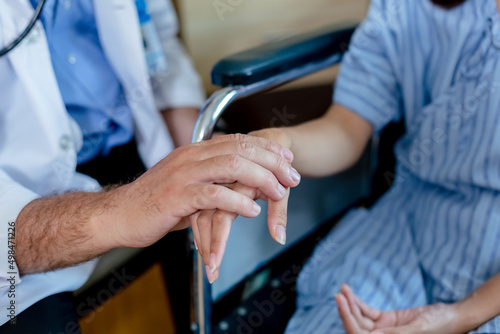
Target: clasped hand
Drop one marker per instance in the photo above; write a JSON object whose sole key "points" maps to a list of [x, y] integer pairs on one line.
{"points": [[211, 227]]}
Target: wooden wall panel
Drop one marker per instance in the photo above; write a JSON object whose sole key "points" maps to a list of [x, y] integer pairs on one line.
{"points": [[142, 307], [247, 23]]}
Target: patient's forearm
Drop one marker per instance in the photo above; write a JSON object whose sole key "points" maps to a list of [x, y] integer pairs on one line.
{"points": [[329, 144], [61, 231], [480, 306], [180, 123]]}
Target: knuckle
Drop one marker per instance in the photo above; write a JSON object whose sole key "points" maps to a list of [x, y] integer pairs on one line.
{"points": [[204, 219], [246, 149], [235, 162], [281, 164], [237, 137], [214, 192], [200, 199], [243, 202], [270, 179], [270, 145], [219, 217]]}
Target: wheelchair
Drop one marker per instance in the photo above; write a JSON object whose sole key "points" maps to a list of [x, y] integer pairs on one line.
{"points": [[256, 291]]}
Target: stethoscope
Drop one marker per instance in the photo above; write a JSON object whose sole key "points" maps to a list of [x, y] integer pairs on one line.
{"points": [[29, 27]]}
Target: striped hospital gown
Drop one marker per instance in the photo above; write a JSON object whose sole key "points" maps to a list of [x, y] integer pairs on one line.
{"points": [[435, 236]]}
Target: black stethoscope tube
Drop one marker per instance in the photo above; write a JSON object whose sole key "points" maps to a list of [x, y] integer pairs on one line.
{"points": [[20, 38]]}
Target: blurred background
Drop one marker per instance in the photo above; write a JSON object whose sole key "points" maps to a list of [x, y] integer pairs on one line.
{"points": [[213, 29]]}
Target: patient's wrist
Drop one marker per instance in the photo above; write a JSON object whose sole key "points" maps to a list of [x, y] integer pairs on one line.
{"points": [[469, 315]]}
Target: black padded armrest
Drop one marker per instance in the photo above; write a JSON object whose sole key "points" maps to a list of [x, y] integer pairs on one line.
{"points": [[272, 59]]}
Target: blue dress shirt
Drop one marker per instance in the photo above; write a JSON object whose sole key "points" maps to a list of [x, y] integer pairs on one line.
{"points": [[90, 89]]}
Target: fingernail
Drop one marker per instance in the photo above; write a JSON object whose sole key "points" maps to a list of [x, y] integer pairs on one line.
{"points": [[287, 154], [295, 175], [281, 190], [280, 234], [195, 245], [256, 208], [216, 276], [220, 254], [207, 268], [211, 261]]}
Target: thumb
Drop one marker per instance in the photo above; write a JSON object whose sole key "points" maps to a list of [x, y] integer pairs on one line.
{"points": [[277, 218]]}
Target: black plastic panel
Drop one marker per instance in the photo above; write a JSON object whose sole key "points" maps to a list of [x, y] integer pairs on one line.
{"points": [[271, 59]]}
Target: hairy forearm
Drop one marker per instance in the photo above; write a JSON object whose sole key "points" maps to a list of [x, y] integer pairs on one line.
{"points": [[480, 306], [329, 144], [61, 231]]}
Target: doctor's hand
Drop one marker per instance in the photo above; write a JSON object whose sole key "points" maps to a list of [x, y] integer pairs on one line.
{"points": [[193, 178], [211, 228], [188, 180], [359, 318]]}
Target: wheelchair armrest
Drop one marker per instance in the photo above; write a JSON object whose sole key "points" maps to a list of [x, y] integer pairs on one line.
{"points": [[269, 66], [260, 63]]}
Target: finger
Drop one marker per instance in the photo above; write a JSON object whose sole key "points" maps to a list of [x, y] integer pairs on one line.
{"points": [[204, 223], [264, 143], [196, 234], [215, 276], [213, 196], [352, 299], [281, 136], [221, 228], [194, 227], [270, 161], [368, 311], [233, 168], [221, 223], [245, 190], [348, 319], [205, 229], [277, 218]]}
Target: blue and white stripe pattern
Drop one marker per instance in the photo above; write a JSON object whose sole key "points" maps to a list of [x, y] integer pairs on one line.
{"points": [[435, 236]]}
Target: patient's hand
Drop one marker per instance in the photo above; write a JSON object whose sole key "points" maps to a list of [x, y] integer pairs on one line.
{"points": [[359, 318], [211, 228]]}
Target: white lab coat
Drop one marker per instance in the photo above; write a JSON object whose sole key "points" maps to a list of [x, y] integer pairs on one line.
{"points": [[39, 140]]}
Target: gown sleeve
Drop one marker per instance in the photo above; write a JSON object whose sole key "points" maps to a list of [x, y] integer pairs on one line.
{"points": [[368, 81]]}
